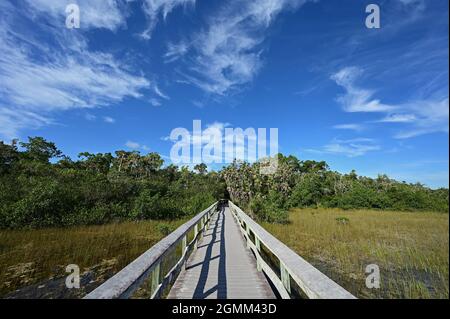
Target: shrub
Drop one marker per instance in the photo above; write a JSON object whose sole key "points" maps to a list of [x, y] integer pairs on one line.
{"points": [[267, 211], [165, 229]]}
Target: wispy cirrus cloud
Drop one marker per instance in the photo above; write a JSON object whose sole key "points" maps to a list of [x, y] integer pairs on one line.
{"points": [[39, 81], [432, 117], [352, 127], [12, 121], [357, 99], [160, 96], [155, 9], [175, 51], [423, 116], [398, 118], [227, 53], [110, 14], [351, 148], [160, 93]]}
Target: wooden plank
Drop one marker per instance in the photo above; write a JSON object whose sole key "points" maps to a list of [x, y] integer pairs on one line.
{"points": [[222, 267]]}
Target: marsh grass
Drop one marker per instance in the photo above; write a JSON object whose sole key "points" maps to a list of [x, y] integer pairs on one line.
{"points": [[411, 249], [31, 256]]}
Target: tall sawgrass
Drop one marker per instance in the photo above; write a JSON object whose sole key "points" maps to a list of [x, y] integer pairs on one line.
{"points": [[411, 249], [28, 257]]}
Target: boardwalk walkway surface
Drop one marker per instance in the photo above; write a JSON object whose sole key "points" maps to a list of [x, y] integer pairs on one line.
{"points": [[222, 267]]}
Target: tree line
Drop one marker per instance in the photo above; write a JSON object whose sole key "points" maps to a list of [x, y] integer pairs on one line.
{"points": [[312, 184], [41, 187]]}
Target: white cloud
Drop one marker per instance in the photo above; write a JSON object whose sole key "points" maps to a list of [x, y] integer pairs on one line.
{"points": [[155, 102], [156, 8], [357, 99], [132, 145], [175, 51], [350, 148], [67, 82], [90, 117], [38, 80], [109, 14], [423, 116], [399, 118], [136, 146], [418, 4], [199, 104], [432, 116], [160, 93], [109, 120], [354, 127], [12, 121], [227, 54]]}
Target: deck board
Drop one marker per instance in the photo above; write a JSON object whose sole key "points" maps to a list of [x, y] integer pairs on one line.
{"points": [[222, 267]]}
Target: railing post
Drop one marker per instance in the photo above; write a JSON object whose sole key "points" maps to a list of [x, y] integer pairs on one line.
{"points": [[208, 220], [258, 256], [183, 248], [247, 230], [195, 236], [155, 278], [285, 277]]}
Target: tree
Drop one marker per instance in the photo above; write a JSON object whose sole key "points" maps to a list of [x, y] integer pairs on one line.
{"points": [[201, 168], [151, 163], [8, 156], [38, 149], [100, 163]]}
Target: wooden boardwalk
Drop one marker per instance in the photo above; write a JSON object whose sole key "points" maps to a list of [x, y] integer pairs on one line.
{"points": [[235, 259], [222, 267]]}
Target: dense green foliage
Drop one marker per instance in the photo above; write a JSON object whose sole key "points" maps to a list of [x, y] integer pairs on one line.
{"points": [[39, 187], [98, 188], [311, 184]]}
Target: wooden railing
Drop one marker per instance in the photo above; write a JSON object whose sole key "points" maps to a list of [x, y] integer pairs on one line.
{"points": [[291, 275], [152, 273]]}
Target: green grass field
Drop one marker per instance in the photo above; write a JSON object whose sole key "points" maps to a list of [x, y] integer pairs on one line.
{"points": [[31, 256], [411, 249]]}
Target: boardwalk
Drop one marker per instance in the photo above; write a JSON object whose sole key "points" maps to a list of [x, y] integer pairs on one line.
{"points": [[235, 259], [222, 267]]}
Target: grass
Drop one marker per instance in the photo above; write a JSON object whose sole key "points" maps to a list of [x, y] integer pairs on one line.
{"points": [[32, 256], [411, 249]]}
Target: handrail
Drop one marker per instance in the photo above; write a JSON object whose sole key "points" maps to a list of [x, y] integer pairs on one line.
{"points": [[311, 282], [128, 280]]}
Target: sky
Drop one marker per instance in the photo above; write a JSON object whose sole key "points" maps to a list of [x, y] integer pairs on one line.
{"points": [[373, 100]]}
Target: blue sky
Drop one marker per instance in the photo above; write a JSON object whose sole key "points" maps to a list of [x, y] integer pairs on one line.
{"points": [[374, 100]]}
